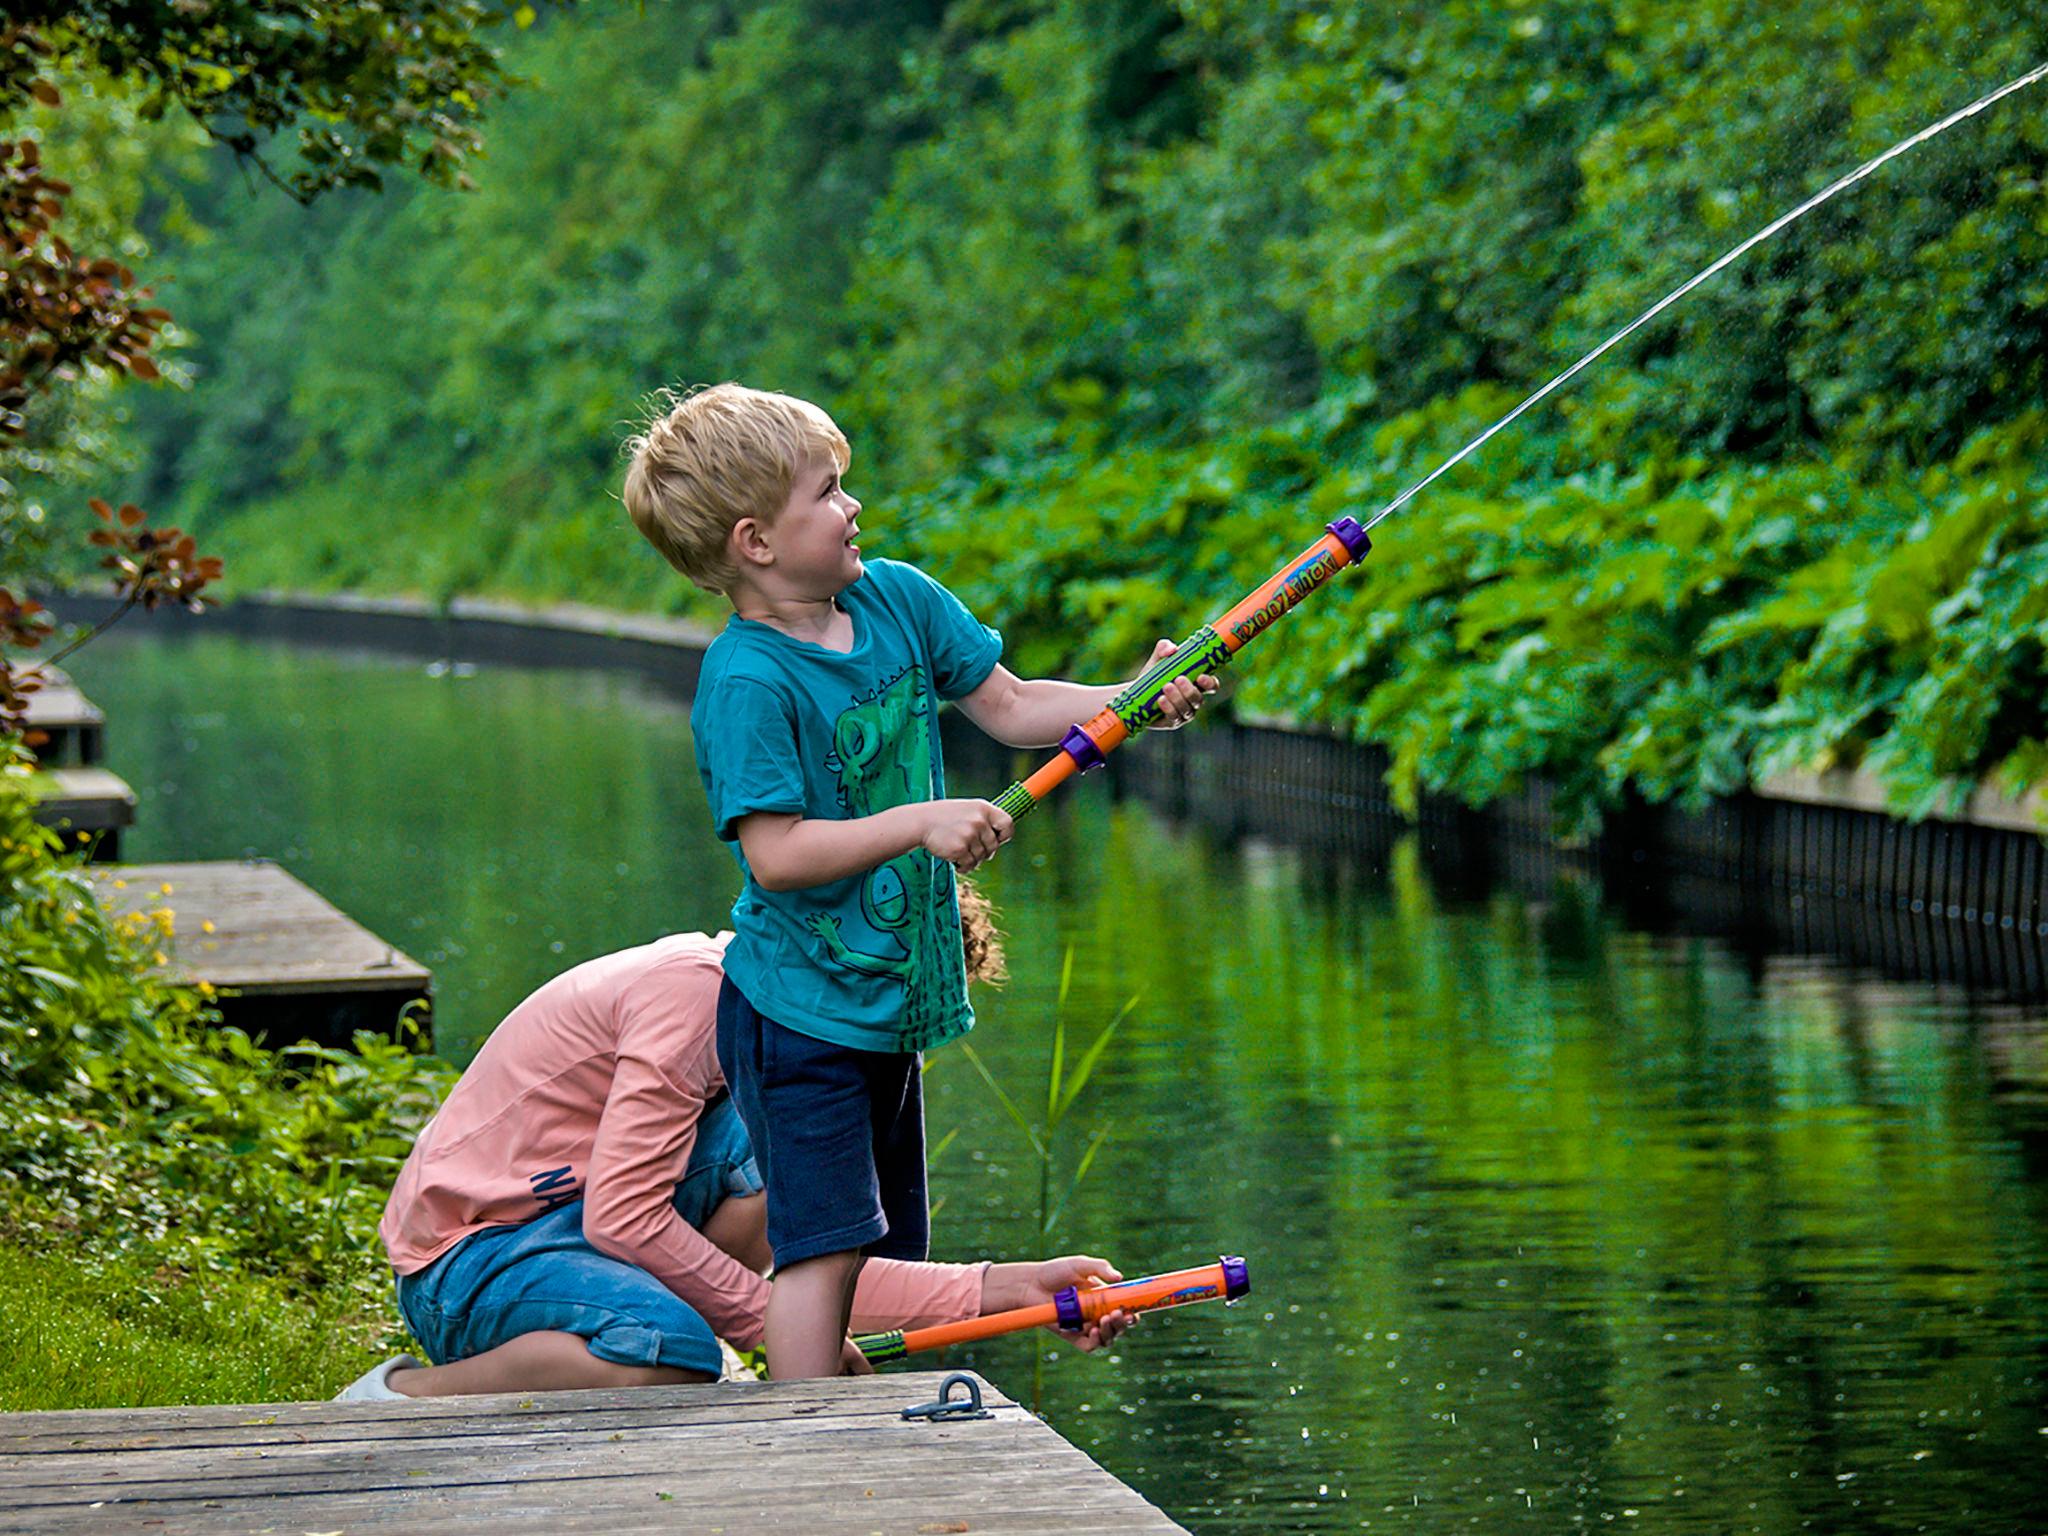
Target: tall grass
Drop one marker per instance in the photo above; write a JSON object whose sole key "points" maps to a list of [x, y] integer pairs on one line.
{"points": [[1063, 1087]]}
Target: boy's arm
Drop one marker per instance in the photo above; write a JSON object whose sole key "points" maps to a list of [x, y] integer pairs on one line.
{"points": [[1036, 712], [787, 852]]}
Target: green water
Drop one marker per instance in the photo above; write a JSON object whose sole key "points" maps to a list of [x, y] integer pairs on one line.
{"points": [[1552, 1224]]}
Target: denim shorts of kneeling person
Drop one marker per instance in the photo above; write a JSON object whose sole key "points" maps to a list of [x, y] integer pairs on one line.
{"points": [[502, 1282]]}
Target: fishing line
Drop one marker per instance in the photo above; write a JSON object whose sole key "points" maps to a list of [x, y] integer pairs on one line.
{"points": [[1671, 298], [1346, 541]]}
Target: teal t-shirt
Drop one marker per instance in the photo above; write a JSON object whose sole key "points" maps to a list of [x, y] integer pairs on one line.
{"points": [[872, 962]]}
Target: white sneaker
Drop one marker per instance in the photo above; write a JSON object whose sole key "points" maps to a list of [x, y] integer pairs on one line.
{"points": [[374, 1385]]}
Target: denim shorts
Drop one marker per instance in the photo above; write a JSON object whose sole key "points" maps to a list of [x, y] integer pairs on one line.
{"points": [[839, 1134], [504, 1281]]}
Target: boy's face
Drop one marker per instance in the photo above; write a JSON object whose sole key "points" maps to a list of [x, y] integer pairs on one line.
{"points": [[815, 555]]}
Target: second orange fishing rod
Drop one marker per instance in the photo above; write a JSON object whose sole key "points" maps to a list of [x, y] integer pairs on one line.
{"points": [[1075, 1307]]}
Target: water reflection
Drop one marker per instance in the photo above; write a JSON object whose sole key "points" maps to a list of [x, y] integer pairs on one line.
{"points": [[1552, 1222]]}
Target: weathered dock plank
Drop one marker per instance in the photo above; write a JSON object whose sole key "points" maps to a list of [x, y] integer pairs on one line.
{"points": [[91, 801], [738, 1457], [73, 727], [289, 963]]}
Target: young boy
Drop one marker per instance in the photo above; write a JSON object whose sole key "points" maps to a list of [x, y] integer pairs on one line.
{"points": [[816, 724]]}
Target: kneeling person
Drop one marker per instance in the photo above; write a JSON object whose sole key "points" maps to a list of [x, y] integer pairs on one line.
{"points": [[585, 1210]]}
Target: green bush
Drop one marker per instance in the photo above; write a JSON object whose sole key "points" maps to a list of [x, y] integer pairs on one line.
{"points": [[1666, 632], [133, 1120], [1118, 302]]}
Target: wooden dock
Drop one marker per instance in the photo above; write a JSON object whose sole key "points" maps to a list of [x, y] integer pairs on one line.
{"points": [[824, 1458], [87, 802], [289, 964], [73, 727]]}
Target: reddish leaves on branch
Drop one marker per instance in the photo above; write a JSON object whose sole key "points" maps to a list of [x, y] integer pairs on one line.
{"points": [[23, 621], [60, 312], [23, 624], [151, 565]]}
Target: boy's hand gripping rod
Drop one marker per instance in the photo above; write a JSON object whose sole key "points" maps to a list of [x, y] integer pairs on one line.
{"points": [[1208, 648], [1074, 1307]]}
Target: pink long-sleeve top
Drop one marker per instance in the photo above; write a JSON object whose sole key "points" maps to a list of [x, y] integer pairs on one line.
{"points": [[593, 1086]]}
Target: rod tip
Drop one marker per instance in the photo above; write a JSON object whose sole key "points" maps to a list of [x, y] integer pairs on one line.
{"points": [[1237, 1277], [1356, 541]]}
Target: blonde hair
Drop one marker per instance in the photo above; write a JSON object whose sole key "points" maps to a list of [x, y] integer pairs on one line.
{"points": [[711, 457]]}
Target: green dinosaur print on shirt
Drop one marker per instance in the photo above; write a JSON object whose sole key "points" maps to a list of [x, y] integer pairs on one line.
{"points": [[882, 757]]}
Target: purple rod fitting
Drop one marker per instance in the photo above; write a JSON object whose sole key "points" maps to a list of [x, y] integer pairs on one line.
{"points": [[1080, 746], [1351, 536], [1067, 1304], [1237, 1276]]}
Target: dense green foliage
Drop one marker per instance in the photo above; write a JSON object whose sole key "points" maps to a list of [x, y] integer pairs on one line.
{"points": [[1119, 301], [349, 90], [131, 1120], [102, 107]]}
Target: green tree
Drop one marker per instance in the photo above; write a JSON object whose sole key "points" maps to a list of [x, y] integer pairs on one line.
{"points": [[362, 88], [1119, 301]]}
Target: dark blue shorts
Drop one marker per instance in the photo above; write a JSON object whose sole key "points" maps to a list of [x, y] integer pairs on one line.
{"points": [[838, 1135]]}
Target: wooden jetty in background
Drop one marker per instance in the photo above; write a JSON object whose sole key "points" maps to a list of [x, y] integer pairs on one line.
{"points": [[88, 804], [74, 794], [73, 728], [289, 965], [825, 1458]]}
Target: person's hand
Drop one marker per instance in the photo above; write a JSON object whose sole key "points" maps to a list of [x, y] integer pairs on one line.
{"points": [[852, 1362], [966, 833], [1179, 699], [1008, 1286]]}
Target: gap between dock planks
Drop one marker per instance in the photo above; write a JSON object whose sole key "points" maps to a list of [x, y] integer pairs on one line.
{"points": [[833, 1458]]}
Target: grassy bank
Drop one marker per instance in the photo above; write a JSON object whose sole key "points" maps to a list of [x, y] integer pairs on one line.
{"points": [[184, 1215], [86, 1329]]}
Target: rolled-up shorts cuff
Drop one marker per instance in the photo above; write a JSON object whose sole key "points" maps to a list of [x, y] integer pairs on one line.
{"points": [[628, 1341], [868, 1236]]}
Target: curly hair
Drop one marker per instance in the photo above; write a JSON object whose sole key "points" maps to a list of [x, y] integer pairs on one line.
{"points": [[980, 937]]}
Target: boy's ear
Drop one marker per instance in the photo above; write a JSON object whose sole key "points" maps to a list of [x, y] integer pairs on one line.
{"points": [[748, 544]]}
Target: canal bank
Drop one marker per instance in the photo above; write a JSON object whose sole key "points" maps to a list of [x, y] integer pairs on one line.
{"points": [[1805, 863]]}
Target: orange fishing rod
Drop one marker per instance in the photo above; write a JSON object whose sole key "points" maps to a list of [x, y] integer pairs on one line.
{"points": [[1343, 543], [1075, 1307]]}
